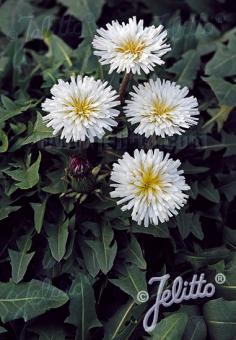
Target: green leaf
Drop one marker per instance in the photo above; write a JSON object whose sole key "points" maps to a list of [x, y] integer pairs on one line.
{"points": [[190, 169], [57, 184], [186, 68], [131, 280], [21, 259], [196, 227], [39, 211], [82, 307], [156, 231], [189, 223], [219, 115], [207, 190], [227, 290], [57, 239], [84, 10], [184, 223], [208, 36], [220, 316], [202, 258], [180, 41], [89, 257], [3, 141], [5, 211], [133, 253], [224, 90], [11, 109], [26, 176], [202, 6], [230, 141], [28, 300], [49, 329], [170, 328], [118, 326], [12, 23], [230, 235], [59, 51], [223, 63], [227, 185], [196, 328], [40, 131], [2, 330], [105, 248]]}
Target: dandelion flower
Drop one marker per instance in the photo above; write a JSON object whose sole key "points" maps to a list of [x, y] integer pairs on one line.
{"points": [[150, 185], [161, 108], [130, 47], [82, 108]]}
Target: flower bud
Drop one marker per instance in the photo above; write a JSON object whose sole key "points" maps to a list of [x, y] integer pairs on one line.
{"points": [[78, 167], [79, 174]]}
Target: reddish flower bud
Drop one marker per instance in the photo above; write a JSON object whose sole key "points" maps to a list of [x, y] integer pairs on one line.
{"points": [[78, 167]]}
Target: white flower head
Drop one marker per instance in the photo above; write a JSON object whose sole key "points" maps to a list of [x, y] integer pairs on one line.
{"points": [[150, 185], [130, 47], [161, 108], [81, 108]]}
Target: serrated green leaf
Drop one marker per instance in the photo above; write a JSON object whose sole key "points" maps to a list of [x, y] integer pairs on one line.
{"points": [[12, 109], [19, 263], [89, 257], [223, 90], [227, 185], [26, 176], [184, 223], [57, 239], [40, 131], [20, 259], [207, 190], [220, 316], [131, 280], [28, 300], [133, 253], [186, 68], [39, 210], [115, 327], [223, 63], [105, 248], [82, 307], [170, 328]]}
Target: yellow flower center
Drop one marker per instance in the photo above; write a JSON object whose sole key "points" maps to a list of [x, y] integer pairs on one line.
{"points": [[149, 182], [160, 108], [82, 107], [134, 47]]}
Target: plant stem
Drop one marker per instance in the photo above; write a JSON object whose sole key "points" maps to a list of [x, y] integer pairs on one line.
{"points": [[123, 87]]}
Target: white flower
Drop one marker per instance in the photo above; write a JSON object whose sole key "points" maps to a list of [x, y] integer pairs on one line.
{"points": [[150, 184], [81, 108], [130, 47], [161, 108]]}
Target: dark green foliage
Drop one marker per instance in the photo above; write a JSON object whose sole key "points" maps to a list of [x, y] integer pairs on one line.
{"points": [[71, 262]]}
